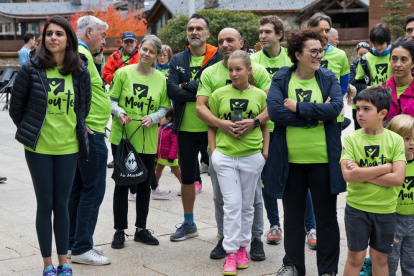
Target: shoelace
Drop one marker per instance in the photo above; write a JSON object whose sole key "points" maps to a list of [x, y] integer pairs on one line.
{"points": [[182, 225], [50, 273], [148, 232], [231, 259], [256, 244], [312, 235], [274, 231], [284, 269], [119, 234], [65, 272]]}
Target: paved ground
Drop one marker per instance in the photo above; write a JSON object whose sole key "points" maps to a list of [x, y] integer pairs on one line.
{"points": [[19, 250]]}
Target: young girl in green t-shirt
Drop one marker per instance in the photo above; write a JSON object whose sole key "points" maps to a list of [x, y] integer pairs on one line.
{"points": [[403, 248], [238, 161]]}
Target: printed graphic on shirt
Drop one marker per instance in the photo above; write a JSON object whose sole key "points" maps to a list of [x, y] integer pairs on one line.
{"points": [[228, 82], [238, 103], [303, 96], [381, 70], [59, 104], [324, 63], [140, 90], [373, 157], [272, 71], [408, 183], [140, 103], [194, 72]]}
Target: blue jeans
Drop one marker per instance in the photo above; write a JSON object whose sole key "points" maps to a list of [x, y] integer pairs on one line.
{"points": [[87, 194], [309, 216]]}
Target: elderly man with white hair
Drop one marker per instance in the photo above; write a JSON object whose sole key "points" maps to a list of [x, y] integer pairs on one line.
{"points": [[333, 37], [90, 180]]}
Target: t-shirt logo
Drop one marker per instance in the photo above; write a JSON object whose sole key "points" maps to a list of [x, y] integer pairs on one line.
{"points": [[382, 69], [238, 103], [408, 183], [324, 63], [272, 71], [56, 85], [194, 72], [228, 82], [372, 151], [303, 96], [140, 90]]}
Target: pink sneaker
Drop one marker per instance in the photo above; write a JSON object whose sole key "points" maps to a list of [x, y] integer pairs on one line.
{"points": [[229, 267], [242, 259], [198, 187]]}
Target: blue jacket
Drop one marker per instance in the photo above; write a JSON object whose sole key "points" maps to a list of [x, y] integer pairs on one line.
{"points": [[307, 115]]}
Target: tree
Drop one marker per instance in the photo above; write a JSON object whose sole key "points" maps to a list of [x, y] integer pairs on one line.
{"points": [[132, 21], [395, 21], [174, 33]]}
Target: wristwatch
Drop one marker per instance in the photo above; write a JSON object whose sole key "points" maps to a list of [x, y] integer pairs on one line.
{"points": [[256, 122]]}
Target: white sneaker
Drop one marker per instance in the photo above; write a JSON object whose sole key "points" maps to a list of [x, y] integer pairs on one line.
{"points": [[158, 192], [179, 193], [97, 249], [311, 239], [90, 257], [132, 197], [203, 168]]}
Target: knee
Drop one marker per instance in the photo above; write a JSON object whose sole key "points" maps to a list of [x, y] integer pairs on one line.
{"points": [[356, 259], [45, 206]]}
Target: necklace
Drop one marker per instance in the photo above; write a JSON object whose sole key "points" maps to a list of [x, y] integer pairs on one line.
{"points": [[242, 90]]}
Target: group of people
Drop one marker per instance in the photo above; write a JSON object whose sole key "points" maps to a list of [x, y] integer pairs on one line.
{"points": [[272, 122]]}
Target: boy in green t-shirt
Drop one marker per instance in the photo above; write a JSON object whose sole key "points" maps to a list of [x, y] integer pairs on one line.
{"points": [[403, 249], [373, 163]]}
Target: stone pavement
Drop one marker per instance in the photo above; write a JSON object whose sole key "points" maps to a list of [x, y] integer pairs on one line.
{"points": [[19, 250]]}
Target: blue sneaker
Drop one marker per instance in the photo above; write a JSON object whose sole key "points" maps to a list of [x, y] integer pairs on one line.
{"points": [[366, 269], [184, 232], [64, 271], [49, 271]]}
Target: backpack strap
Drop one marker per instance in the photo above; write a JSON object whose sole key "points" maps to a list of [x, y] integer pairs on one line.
{"points": [[364, 64]]}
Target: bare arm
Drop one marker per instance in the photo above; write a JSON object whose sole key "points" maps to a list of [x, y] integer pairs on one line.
{"points": [[266, 140], [246, 125], [395, 178], [212, 138], [352, 173]]}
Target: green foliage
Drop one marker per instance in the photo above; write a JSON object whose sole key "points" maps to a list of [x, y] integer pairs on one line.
{"points": [[395, 21], [174, 33]]}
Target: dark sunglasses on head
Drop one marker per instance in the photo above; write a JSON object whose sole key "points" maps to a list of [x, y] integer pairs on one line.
{"points": [[363, 44]]}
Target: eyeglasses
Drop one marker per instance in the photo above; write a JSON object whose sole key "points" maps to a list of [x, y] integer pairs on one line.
{"points": [[314, 52], [363, 44]]}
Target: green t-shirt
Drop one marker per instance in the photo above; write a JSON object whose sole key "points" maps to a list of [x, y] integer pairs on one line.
{"points": [[306, 145], [222, 104], [163, 71], [379, 67], [139, 96], [217, 76], [58, 133], [402, 89], [125, 58], [336, 61], [370, 151], [100, 103], [272, 65], [190, 121], [405, 201]]}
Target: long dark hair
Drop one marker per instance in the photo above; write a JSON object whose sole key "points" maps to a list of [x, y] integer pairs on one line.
{"points": [[72, 59]]}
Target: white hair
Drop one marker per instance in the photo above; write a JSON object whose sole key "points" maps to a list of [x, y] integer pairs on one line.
{"points": [[333, 31], [90, 21]]}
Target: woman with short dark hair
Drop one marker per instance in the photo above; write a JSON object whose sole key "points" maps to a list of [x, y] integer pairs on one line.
{"points": [[304, 102], [49, 103]]}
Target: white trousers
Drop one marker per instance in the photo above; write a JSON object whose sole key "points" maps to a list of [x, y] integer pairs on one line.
{"points": [[237, 178]]}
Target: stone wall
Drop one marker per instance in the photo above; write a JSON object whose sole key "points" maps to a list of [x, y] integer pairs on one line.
{"points": [[9, 60]]}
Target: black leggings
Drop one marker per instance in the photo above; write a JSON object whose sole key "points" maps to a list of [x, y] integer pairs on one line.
{"points": [[52, 177], [143, 191]]}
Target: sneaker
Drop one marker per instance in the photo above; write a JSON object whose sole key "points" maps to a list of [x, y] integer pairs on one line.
{"points": [[242, 260], [64, 271], [3, 179], [256, 250], [218, 252], [49, 271], [145, 236], [274, 235], [179, 193], [132, 197], [118, 240], [366, 269], [184, 232], [287, 270], [110, 165], [97, 249], [198, 187], [229, 267], [90, 258], [329, 274], [158, 192], [311, 239], [203, 168]]}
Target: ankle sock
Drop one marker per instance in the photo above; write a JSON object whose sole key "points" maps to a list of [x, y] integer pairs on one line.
{"points": [[49, 267], [189, 218]]}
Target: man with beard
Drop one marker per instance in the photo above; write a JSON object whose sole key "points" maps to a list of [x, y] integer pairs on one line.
{"points": [[182, 84], [213, 78]]}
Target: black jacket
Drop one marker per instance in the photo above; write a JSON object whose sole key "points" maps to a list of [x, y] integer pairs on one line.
{"points": [[28, 103], [306, 115], [179, 72]]}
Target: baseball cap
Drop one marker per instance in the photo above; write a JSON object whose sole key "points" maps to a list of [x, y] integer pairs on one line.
{"points": [[128, 35]]}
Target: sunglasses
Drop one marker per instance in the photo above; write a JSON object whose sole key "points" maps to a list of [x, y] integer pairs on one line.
{"points": [[363, 44]]}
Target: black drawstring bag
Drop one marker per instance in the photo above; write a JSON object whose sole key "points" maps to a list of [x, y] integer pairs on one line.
{"points": [[128, 166]]}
